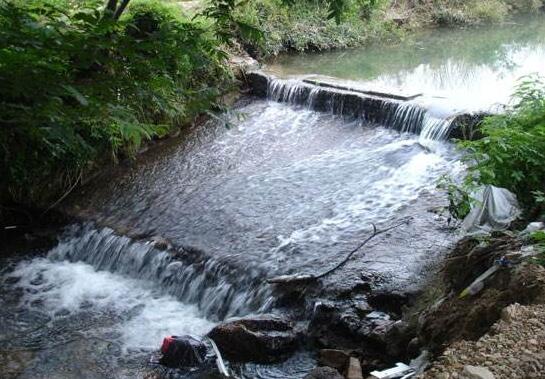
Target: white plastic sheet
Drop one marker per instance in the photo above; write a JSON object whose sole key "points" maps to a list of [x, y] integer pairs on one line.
{"points": [[495, 209]]}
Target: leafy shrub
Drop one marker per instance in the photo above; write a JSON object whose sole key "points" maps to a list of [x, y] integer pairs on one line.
{"points": [[307, 25], [525, 5], [79, 88], [489, 11], [469, 12], [512, 152]]}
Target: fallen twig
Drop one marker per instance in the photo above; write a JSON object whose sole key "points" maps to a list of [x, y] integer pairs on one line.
{"points": [[303, 278]]}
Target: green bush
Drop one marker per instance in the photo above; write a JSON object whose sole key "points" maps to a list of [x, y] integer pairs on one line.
{"points": [[489, 11], [306, 25], [462, 12], [79, 88], [512, 152], [525, 5], [469, 12]]}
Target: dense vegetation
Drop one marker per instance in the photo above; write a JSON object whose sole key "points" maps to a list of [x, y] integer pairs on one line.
{"points": [[88, 81], [461, 12], [79, 87], [305, 25], [511, 153]]}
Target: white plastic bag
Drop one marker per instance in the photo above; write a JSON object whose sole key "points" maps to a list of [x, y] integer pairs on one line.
{"points": [[495, 209]]}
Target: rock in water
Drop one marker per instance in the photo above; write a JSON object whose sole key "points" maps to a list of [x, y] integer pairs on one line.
{"points": [[477, 372], [337, 359], [261, 339], [324, 373]]}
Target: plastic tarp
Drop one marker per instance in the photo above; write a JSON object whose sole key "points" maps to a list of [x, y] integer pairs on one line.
{"points": [[495, 209]]}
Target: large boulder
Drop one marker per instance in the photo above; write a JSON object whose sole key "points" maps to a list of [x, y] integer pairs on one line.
{"points": [[261, 339]]}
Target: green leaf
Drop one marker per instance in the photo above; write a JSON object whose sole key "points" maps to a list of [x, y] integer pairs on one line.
{"points": [[76, 94]]}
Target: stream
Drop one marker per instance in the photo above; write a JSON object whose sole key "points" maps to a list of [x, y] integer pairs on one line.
{"points": [[273, 188]]}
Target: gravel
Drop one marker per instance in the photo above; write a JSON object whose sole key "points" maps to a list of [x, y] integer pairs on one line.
{"points": [[513, 348]]}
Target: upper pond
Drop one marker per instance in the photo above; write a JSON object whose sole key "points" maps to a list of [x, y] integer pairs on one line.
{"points": [[474, 68]]}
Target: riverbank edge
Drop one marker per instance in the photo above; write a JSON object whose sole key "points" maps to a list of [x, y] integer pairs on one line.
{"points": [[445, 323], [309, 30], [442, 332]]}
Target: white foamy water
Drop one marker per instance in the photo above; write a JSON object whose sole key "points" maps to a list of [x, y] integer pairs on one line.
{"points": [[143, 316]]}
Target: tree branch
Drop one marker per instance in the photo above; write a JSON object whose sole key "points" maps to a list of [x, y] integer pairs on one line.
{"points": [[285, 279]]}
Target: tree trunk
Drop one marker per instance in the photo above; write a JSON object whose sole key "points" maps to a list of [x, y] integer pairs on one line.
{"points": [[121, 9], [111, 6]]}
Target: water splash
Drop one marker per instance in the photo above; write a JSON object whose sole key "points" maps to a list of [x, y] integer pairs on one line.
{"points": [[189, 276], [63, 290]]}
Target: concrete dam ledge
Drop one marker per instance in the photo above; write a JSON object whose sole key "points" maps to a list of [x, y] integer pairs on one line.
{"points": [[389, 109]]}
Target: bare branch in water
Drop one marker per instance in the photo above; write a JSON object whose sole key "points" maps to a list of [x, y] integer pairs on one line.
{"points": [[303, 278]]}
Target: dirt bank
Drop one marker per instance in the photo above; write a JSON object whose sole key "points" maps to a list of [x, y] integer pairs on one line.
{"points": [[461, 331], [513, 348], [486, 329]]}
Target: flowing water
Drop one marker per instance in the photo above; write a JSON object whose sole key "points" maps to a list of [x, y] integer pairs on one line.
{"points": [[277, 189]]}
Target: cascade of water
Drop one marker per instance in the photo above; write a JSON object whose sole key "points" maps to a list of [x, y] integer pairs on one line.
{"points": [[285, 91], [407, 117], [435, 128], [204, 281]]}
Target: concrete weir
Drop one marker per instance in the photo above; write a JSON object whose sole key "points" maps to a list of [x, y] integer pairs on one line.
{"points": [[394, 110]]}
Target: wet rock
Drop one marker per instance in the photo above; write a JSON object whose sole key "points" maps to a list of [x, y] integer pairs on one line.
{"points": [[262, 339], [354, 369], [476, 372], [161, 243], [335, 325], [362, 307], [392, 302], [13, 362], [324, 373], [466, 126], [378, 330], [258, 83], [342, 326], [338, 359], [414, 346]]}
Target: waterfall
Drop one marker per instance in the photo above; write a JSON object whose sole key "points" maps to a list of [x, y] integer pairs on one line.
{"points": [[208, 283], [404, 116]]}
